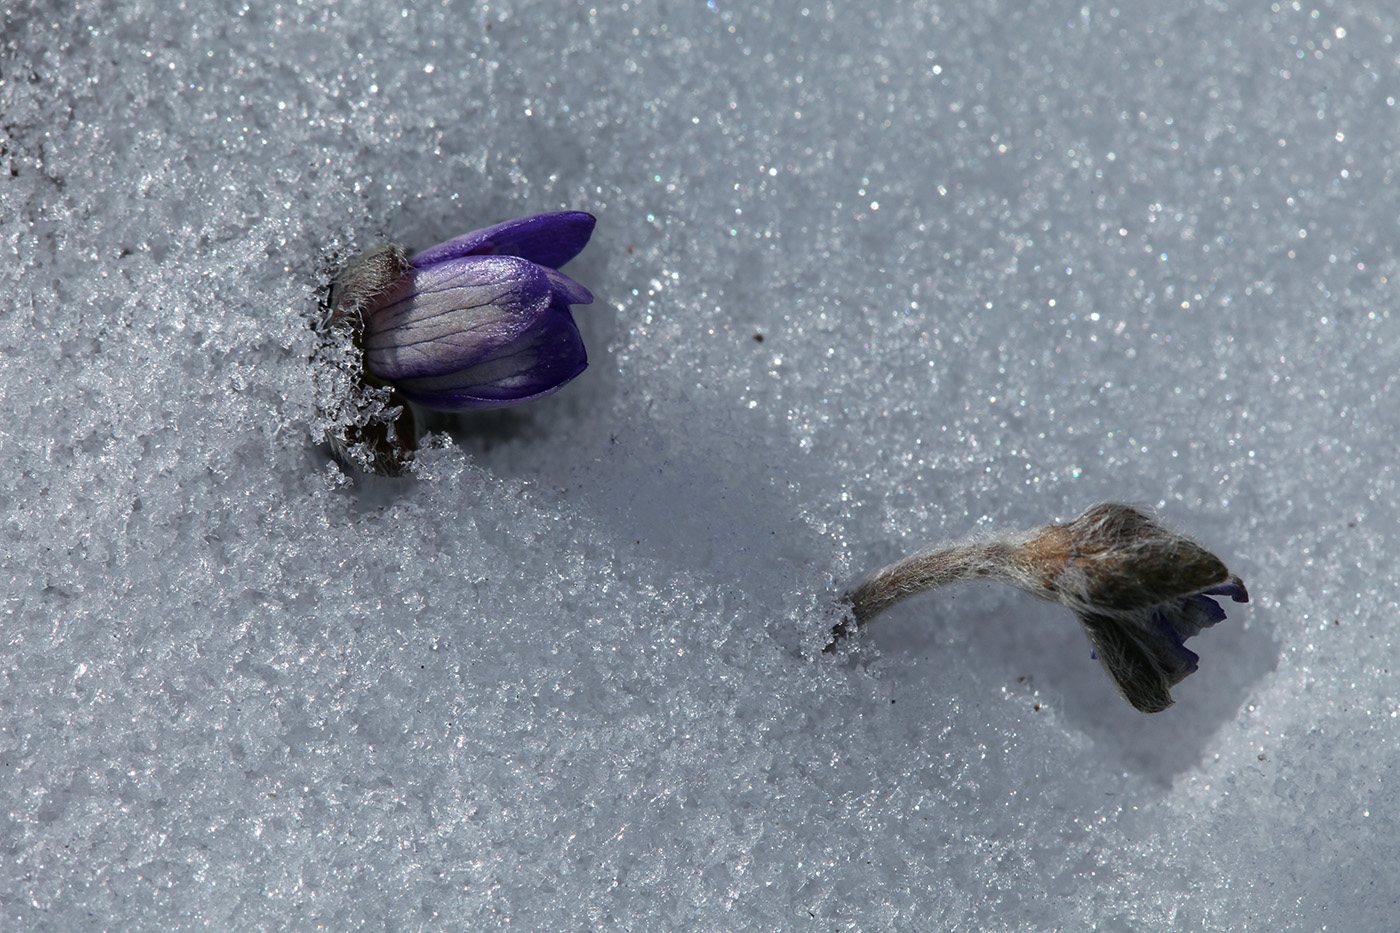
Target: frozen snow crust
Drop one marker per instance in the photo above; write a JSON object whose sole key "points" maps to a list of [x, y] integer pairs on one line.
{"points": [[867, 277]]}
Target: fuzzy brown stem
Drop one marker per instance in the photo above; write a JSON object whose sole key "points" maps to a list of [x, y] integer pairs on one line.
{"points": [[927, 570]]}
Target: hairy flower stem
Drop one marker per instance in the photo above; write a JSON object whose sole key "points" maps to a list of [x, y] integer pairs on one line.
{"points": [[1017, 561], [927, 570]]}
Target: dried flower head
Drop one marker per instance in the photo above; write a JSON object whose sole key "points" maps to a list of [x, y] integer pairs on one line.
{"points": [[1138, 588]]}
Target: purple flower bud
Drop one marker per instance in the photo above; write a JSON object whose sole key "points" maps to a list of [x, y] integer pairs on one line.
{"points": [[482, 321]]}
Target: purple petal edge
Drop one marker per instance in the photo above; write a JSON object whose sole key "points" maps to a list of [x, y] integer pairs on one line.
{"points": [[550, 239], [1212, 609], [566, 290]]}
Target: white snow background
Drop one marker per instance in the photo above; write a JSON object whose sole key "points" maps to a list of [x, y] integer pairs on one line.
{"points": [[1005, 260]]}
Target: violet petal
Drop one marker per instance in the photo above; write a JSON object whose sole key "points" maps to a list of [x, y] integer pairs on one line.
{"points": [[546, 239], [441, 320], [537, 362], [566, 289]]}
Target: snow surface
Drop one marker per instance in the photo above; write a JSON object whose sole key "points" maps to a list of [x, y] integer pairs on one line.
{"points": [[1004, 259]]}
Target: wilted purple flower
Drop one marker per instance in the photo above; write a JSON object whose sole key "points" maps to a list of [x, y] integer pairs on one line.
{"points": [[482, 321], [1139, 589]]}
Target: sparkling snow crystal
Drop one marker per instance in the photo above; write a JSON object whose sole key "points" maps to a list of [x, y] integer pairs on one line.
{"points": [[867, 275]]}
